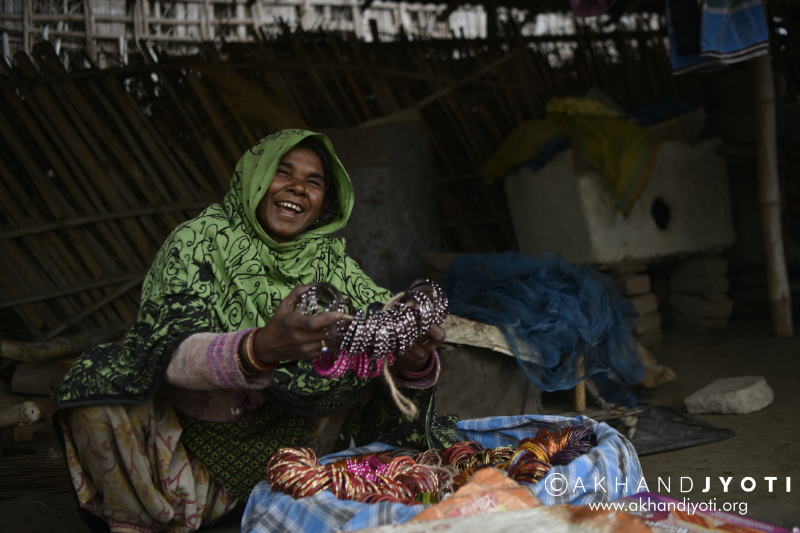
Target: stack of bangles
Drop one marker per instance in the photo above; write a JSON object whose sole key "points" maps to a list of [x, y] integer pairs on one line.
{"points": [[248, 362], [368, 340], [406, 476]]}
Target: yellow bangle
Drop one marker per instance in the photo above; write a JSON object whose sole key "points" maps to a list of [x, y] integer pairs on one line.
{"points": [[249, 351], [243, 369]]}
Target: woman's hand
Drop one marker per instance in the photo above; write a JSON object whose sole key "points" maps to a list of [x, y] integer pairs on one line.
{"points": [[292, 337], [417, 357]]}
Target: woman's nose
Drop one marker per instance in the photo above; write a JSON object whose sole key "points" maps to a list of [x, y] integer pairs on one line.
{"points": [[297, 187]]}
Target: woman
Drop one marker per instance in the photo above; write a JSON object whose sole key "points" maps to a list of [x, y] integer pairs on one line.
{"points": [[175, 427]]}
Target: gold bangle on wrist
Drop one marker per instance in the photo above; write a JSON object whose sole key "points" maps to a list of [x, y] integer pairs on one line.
{"points": [[249, 351], [242, 367]]}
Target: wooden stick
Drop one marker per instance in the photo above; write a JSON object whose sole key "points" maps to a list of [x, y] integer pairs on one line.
{"points": [[40, 352], [216, 121], [780, 297], [580, 389], [97, 305], [19, 415], [82, 287], [104, 217], [466, 79]]}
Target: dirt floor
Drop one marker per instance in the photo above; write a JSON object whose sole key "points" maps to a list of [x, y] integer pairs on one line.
{"points": [[767, 443]]}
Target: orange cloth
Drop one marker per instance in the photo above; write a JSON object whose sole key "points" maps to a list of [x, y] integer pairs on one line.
{"points": [[488, 491]]}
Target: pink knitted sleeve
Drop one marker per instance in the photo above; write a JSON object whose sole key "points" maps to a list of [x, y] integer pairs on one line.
{"points": [[208, 361]]}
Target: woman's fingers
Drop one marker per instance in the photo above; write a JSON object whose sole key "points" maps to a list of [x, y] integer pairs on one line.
{"points": [[313, 350], [293, 298], [431, 340], [322, 321], [436, 335]]}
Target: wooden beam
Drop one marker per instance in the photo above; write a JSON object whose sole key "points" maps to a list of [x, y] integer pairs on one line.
{"points": [[452, 6], [88, 12], [105, 217], [467, 79], [366, 5], [81, 287], [40, 352], [769, 196], [132, 284]]}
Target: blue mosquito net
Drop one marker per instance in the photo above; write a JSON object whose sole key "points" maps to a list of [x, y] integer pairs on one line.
{"points": [[553, 313]]}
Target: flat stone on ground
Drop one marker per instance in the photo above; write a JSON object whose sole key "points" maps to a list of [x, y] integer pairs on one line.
{"points": [[737, 396]]}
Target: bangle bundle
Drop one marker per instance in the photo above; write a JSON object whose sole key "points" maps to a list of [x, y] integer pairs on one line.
{"points": [[405, 476], [366, 341]]}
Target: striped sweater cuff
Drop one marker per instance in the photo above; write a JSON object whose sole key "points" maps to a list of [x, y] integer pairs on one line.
{"points": [[223, 363]]}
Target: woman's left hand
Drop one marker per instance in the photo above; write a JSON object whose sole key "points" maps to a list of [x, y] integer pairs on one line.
{"points": [[417, 357]]}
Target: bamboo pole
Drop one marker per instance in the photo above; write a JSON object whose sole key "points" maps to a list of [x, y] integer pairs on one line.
{"points": [[97, 305], [40, 352], [104, 217], [82, 287], [780, 297]]}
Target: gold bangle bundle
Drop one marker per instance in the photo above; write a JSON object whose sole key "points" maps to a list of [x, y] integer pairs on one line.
{"points": [[405, 476]]}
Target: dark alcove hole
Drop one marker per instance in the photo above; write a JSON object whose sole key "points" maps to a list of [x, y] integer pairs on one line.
{"points": [[660, 213]]}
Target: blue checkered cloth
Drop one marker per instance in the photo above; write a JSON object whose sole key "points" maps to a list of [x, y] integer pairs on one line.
{"points": [[609, 471]]}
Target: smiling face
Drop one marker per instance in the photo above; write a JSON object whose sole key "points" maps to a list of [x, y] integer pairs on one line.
{"points": [[294, 199]]}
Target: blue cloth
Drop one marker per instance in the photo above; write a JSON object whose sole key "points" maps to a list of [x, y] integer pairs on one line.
{"points": [[730, 31], [552, 312], [609, 471]]}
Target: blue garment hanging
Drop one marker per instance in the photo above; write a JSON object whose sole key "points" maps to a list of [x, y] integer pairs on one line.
{"points": [[730, 31]]}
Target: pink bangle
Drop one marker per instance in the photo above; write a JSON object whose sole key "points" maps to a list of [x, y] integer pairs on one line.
{"points": [[423, 373]]}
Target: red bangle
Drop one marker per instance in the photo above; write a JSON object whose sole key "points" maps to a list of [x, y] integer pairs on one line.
{"points": [[422, 374]]}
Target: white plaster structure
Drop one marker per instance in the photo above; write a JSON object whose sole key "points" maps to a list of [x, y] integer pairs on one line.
{"points": [[574, 215]]}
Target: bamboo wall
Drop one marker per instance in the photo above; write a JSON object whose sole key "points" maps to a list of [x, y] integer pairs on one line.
{"points": [[99, 165]]}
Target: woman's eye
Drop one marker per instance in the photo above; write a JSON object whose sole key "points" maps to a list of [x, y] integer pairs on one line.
{"points": [[316, 183]]}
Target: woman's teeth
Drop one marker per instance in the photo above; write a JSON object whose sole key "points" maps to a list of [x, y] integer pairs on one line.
{"points": [[291, 206]]}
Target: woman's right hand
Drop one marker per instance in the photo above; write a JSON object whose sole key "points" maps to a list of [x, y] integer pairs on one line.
{"points": [[292, 337]]}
